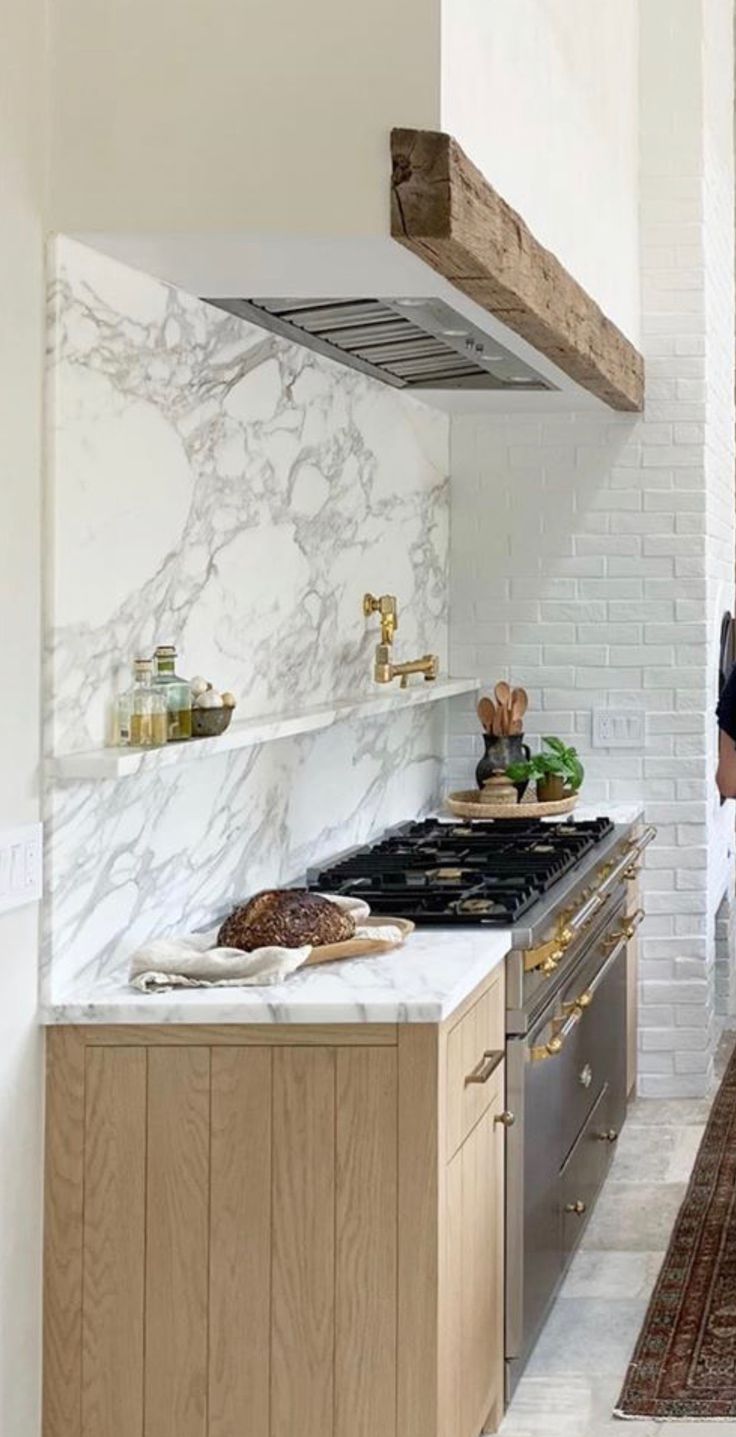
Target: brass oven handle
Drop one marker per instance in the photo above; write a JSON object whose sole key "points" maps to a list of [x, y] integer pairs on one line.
{"points": [[487, 1065], [613, 945], [636, 849], [626, 933], [578, 1006], [539, 1052], [547, 956], [611, 877]]}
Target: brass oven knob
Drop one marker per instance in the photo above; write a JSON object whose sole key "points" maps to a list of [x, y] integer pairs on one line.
{"points": [[506, 1119], [609, 1136], [577, 1207]]}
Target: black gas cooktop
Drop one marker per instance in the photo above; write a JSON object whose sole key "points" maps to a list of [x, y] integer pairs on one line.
{"points": [[477, 872]]}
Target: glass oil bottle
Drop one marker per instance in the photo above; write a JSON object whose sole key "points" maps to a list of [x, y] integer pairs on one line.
{"points": [[176, 692], [142, 714]]}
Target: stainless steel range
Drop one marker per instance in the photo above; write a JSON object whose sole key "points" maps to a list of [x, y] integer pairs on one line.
{"points": [[561, 889]]}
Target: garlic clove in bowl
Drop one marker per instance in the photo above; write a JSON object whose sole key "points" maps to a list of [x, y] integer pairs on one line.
{"points": [[210, 699], [229, 700], [198, 686]]}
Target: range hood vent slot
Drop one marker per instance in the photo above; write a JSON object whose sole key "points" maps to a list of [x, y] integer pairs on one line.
{"points": [[411, 344]]}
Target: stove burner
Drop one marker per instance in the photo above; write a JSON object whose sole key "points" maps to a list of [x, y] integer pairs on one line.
{"points": [[487, 871]]}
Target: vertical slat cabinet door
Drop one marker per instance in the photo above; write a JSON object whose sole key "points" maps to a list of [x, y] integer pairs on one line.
{"points": [[450, 1376], [483, 1268], [240, 1243], [303, 1252], [63, 1234], [114, 1242], [177, 1242], [366, 1231]]}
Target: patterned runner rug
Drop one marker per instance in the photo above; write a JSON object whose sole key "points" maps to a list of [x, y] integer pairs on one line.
{"points": [[684, 1364]]}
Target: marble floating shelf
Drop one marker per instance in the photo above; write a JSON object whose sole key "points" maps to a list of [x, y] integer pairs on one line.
{"points": [[101, 764]]}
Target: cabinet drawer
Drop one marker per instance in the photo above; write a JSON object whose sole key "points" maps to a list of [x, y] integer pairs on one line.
{"points": [[582, 1175], [474, 1047]]}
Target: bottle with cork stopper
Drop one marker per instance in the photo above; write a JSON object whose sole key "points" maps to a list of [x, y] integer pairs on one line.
{"points": [[176, 692]]}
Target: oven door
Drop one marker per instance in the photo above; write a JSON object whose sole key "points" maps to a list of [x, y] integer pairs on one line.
{"points": [[566, 1083]]}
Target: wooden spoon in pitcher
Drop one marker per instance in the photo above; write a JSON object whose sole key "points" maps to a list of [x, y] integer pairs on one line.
{"points": [[486, 711], [503, 694], [519, 704]]}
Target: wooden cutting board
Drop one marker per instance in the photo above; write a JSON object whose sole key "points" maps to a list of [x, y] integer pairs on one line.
{"points": [[361, 947]]}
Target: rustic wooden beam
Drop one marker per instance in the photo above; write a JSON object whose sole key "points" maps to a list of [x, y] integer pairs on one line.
{"points": [[445, 211]]}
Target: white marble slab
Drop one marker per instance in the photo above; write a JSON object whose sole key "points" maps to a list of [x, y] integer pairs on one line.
{"points": [[212, 486], [423, 982], [101, 764]]}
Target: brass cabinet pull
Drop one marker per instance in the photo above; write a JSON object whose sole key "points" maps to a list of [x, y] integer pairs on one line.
{"points": [[578, 1208], [506, 1119], [609, 1136], [487, 1065]]}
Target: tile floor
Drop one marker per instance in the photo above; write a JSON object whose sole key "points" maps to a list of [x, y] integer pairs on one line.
{"points": [[574, 1376]]}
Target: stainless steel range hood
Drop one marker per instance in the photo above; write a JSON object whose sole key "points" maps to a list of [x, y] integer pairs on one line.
{"points": [[416, 344]]}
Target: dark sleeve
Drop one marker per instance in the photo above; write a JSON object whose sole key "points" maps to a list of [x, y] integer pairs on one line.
{"points": [[726, 710]]}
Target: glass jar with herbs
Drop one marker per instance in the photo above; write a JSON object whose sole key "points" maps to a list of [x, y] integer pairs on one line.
{"points": [[176, 692], [142, 715]]}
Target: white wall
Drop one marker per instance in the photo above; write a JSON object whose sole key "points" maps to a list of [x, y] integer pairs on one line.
{"points": [[235, 114], [543, 96], [21, 348], [591, 558]]}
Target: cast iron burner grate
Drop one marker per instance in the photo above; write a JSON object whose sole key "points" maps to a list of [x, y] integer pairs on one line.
{"points": [[479, 872]]}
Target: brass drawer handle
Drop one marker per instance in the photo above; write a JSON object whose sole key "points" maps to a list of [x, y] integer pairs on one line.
{"points": [[609, 1136], [506, 1119], [487, 1065], [578, 1208]]}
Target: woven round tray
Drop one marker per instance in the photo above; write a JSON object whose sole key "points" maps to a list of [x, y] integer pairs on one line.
{"points": [[468, 803]]}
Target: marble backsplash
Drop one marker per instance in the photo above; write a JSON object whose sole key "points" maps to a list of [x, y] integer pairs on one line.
{"points": [[215, 487]]}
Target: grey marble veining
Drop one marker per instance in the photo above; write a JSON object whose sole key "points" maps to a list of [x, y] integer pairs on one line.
{"points": [[214, 487]]}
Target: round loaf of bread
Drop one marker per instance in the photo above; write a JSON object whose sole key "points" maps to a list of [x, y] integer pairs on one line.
{"points": [[285, 918]]}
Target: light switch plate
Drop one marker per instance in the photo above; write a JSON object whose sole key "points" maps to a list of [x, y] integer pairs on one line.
{"points": [[619, 728], [21, 866]]}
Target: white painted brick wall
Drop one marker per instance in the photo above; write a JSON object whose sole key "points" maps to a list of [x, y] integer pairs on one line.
{"points": [[592, 554]]}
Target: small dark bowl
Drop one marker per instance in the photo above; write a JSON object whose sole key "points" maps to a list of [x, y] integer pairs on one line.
{"points": [[208, 723]]}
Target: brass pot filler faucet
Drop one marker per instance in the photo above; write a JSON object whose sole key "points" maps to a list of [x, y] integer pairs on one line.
{"points": [[383, 669]]}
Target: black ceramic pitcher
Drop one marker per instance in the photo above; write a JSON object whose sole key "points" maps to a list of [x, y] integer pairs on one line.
{"points": [[500, 752]]}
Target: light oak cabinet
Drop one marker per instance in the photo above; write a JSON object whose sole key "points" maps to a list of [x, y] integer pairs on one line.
{"points": [[474, 1256], [252, 1232]]}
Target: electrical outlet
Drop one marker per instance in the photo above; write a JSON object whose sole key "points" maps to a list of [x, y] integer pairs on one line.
{"points": [[618, 728], [21, 866]]}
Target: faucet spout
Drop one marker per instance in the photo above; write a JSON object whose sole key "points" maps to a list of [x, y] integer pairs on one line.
{"points": [[384, 671]]}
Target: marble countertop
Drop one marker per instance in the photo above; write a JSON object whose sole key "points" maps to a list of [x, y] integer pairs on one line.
{"points": [[423, 982]]}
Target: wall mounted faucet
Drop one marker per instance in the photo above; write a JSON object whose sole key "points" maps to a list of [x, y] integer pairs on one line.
{"points": [[384, 670]]}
